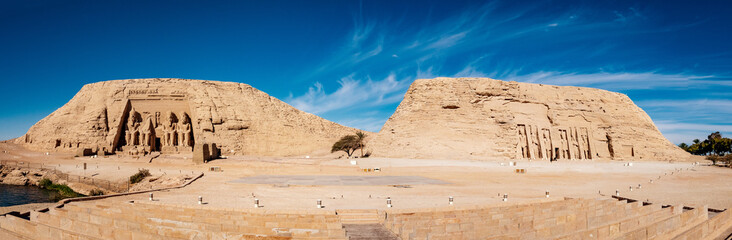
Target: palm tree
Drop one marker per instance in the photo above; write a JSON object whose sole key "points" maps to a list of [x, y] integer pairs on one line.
{"points": [[360, 136]]}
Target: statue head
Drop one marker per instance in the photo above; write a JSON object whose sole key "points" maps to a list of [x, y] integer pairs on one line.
{"points": [[184, 118], [171, 118], [131, 118]]}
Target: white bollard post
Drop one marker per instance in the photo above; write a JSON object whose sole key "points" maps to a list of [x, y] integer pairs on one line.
{"points": [[388, 202]]}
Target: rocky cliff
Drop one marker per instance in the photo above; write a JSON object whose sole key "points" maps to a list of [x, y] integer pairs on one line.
{"points": [[483, 119], [172, 115]]}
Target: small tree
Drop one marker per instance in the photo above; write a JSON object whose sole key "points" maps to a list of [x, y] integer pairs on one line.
{"points": [[348, 144], [360, 136]]}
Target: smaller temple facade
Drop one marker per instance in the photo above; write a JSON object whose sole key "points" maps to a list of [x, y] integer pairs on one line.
{"points": [[553, 143]]}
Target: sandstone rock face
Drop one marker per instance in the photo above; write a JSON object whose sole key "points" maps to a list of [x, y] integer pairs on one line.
{"points": [[16, 177], [485, 119], [172, 115]]}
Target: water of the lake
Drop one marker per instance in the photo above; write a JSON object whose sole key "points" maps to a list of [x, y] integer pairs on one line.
{"points": [[16, 195]]}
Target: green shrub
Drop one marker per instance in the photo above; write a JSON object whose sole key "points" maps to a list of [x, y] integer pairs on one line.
{"points": [[66, 191], [45, 183], [62, 190], [96, 192], [141, 174]]}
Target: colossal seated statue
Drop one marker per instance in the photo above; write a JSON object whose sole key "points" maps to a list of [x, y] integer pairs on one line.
{"points": [[184, 131]]}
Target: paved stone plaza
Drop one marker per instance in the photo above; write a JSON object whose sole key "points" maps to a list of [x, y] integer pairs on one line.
{"points": [[314, 180]]}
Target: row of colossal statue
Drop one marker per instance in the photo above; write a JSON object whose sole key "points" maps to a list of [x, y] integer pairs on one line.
{"points": [[174, 130]]}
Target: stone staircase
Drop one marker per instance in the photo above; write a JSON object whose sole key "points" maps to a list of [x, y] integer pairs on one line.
{"points": [[368, 231], [364, 224], [359, 216]]}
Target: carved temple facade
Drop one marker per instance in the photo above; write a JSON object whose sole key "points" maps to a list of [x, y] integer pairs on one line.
{"points": [[153, 122], [554, 143]]}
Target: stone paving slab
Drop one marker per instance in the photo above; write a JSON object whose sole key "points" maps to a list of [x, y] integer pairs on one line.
{"points": [[338, 180]]}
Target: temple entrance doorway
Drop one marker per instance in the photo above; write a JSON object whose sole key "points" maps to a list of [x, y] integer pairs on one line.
{"points": [[157, 144]]}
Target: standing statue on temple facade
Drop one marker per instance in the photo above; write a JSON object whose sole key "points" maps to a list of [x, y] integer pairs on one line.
{"points": [[535, 143], [546, 142], [184, 130], [563, 144], [522, 141], [132, 132]]}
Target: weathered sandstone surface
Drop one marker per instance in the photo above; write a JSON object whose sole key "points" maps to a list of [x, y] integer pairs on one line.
{"points": [[481, 118], [139, 116], [19, 176]]}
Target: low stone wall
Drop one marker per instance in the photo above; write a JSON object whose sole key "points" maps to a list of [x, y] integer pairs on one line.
{"points": [[718, 226], [566, 219], [149, 221], [295, 223], [40, 231], [468, 221]]}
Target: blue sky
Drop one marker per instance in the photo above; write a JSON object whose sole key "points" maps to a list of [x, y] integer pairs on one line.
{"points": [[352, 61]]}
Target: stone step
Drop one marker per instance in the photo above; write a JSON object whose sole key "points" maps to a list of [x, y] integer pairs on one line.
{"points": [[368, 231], [359, 216]]}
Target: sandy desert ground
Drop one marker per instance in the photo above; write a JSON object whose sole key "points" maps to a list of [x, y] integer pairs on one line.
{"points": [[297, 183]]}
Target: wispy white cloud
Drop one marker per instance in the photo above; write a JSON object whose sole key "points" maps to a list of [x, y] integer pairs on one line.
{"points": [[372, 124], [447, 47], [352, 92], [471, 70], [679, 126], [608, 80], [678, 132], [447, 41], [724, 105]]}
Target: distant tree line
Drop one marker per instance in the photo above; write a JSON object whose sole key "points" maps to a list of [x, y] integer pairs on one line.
{"points": [[715, 147]]}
